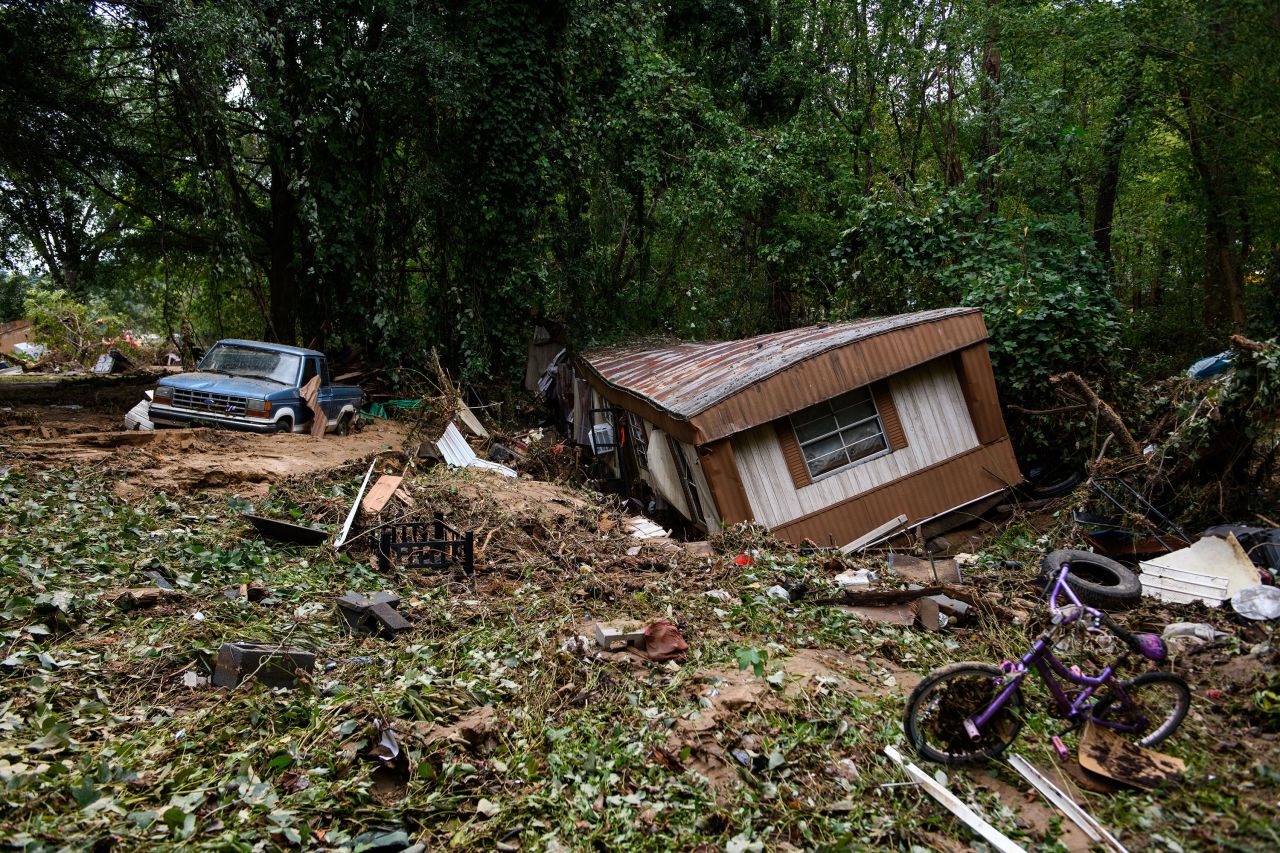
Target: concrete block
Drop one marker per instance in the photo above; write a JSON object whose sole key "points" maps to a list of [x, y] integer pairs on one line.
{"points": [[275, 666]]}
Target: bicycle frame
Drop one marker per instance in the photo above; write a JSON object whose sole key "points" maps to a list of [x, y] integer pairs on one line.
{"points": [[1041, 660]]}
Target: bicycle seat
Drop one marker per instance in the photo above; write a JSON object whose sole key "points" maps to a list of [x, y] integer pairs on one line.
{"points": [[1151, 647]]}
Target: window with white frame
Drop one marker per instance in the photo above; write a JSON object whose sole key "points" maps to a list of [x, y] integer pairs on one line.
{"points": [[839, 432]]}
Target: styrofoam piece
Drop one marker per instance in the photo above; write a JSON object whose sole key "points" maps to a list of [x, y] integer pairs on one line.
{"points": [[1207, 562], [643, 528]]}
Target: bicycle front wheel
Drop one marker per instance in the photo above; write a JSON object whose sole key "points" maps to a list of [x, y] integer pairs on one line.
{"points": [[946, 698], [1154, 705]]}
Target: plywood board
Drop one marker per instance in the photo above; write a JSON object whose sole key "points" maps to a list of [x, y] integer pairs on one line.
{"points": [[381, 492], [920, 571]]}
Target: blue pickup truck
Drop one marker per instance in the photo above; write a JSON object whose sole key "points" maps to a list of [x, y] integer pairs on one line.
{"points": [[250, 385]]}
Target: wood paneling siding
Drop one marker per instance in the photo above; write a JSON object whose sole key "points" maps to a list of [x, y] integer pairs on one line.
{"points": [[933, 416], [920, 495], [727, 406]]}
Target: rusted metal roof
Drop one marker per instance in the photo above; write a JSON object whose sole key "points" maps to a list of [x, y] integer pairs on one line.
{"points": [[684, 379]]}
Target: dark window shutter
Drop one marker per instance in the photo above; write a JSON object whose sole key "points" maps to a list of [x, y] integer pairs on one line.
{"points": [[791, 452], [893, 431]]}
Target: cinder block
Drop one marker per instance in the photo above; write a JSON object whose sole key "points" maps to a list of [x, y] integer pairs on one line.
{"points": [[275, 666]]}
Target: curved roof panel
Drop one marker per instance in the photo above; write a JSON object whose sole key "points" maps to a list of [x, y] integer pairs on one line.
{"points": [[686, 378]]}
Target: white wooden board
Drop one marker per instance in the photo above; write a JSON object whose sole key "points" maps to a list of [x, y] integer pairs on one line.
{"points": [[1153, 588]]}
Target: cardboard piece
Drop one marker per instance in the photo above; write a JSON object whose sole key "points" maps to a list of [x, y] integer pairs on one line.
{"points": [[1110, 754], [892, 614], [920, 571]]}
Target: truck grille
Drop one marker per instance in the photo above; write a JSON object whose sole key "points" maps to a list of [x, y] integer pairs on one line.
{"points": [[203, 401]]}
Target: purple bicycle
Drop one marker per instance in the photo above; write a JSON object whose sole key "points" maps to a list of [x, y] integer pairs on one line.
{"points": [[971, 711]]}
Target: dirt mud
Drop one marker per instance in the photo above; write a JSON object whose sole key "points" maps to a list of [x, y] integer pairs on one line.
{"points": [[56, 420]]}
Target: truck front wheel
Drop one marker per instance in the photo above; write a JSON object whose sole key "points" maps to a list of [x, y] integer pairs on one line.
{"points": [[284, 425]]}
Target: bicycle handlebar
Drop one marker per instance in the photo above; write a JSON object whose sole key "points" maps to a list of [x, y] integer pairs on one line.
{"points": [[1060, 586]]}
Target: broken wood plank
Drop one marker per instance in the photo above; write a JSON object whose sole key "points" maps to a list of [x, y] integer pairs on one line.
{"points": [[470, 421], [1077, 815], [880, 598], [381, 492], [1099, 407], [922, 571], [954, 805], [872, 535], [140, 597]]}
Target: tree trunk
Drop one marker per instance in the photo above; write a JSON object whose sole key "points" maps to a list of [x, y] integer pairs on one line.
{"points": [[1112, 150], [990, 144], [280, 272], [1223, 270]]}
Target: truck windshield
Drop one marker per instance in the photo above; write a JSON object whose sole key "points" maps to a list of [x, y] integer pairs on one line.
{"points": [[252, 363]]}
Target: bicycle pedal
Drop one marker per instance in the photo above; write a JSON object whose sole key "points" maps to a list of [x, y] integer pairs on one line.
{"points": [[972, 730], [1060, 747]]}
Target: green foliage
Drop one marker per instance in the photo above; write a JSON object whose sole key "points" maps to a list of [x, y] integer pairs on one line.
{"points": [[390, 174], [1037, 281], [71, 329], [13, 294]]}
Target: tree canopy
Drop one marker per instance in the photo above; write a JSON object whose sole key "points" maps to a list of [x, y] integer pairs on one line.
{"points": [[1101, 177]]}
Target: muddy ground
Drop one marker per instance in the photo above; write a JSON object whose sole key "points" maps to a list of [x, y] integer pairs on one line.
{"points": [[80, 422], [515, 731]]}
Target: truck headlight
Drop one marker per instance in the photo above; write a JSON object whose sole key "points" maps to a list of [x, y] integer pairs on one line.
{"points": [[258, 408], [163, 394]]}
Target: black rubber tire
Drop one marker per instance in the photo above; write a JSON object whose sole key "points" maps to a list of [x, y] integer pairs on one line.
{"points": [[1099, 581], [959, 748], [284, 425], [1136, 687], [1055, 483], [344, 425]]}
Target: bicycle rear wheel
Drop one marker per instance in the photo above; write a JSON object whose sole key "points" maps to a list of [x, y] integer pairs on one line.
{"points": [[1157, 703], [946, 698]]}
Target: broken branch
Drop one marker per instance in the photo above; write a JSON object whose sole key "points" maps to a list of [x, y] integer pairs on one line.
{"points": [[1100, 408]]}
